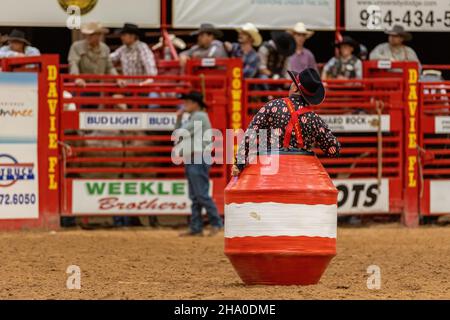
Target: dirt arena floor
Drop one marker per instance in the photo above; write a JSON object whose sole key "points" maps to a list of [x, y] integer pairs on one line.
{"points": [[157, 264]]}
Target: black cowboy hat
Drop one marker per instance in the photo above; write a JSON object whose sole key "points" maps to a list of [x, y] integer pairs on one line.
{"points": [[309, 84], [349, 41], [398, 30], [208, 28], [17, 35], [196, 97], [284, 41], [130, 28]]}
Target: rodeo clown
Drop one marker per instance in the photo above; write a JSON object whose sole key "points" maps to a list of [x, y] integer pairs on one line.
{"points": [[294, 123]]}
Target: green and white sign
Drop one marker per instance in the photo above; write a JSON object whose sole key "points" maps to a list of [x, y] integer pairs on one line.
{"points": [[130, 196]]}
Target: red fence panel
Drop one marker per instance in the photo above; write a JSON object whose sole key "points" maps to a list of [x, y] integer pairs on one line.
{"points": [[368, 123], [47, 153], [434, 147], [117, 145]]}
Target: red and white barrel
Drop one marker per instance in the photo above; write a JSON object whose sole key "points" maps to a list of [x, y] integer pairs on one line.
{"points": [[280, 229]]}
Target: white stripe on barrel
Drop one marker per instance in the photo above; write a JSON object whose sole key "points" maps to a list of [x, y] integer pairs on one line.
{"points": [[252, 219]]}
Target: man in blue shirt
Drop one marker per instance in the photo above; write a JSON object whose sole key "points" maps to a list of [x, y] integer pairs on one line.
{"points": [[248, 38]]}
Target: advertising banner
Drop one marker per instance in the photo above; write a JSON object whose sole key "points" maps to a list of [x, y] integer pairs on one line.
{"points": [[265, 14], [19, 196], [362, 195], [149, 196], [55, 13], [442, 124], [413, 15], [356, 123], [18, 107], [19, 193], [163, 121], [439, 196]]}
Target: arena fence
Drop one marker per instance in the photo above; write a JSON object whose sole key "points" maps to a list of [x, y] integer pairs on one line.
{"points": [[116, 144], [372, 119], [434, 148], [105, 150]]}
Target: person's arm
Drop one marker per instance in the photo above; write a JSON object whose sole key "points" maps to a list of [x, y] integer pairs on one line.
{"points": [[252, 66], [74, 59], [116, 55], [326, 68], [6, 52], [359, 69], [313, 62], [412, 56], [148, 59], [110, 69], [263, 54], [324, 138], [179, 116], [378, 53], [186, 55], [32, 51], [218, 50], [250, 140]]}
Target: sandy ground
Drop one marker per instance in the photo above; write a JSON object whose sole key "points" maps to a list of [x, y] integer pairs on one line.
{"points": [[157, 264]]}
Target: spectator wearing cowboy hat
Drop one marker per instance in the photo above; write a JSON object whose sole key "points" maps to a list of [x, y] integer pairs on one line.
{"points": [[274, 55], [208, 45], [394, 49], [303, 58], [18, 46], [306, 90], [135, 56], [346, 65], [196, 166], [248, 37], [91, 55]]}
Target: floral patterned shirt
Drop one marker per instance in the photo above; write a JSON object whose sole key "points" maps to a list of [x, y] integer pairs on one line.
{"points": [[275, 115]]}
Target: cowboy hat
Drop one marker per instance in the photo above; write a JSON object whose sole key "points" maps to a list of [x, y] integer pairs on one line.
{"points": [[208, 28], [130, 28], [17, 35], [177, 42], [285, 42], [196, 97], [398, 30], [93, 27], [251, 29], [300, 28], [309, 84], [349, 41]]}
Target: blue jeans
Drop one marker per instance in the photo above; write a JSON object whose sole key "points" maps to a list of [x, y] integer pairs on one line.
{"points": [[198, 182]]}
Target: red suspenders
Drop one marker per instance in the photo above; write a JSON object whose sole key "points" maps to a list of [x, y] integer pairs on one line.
{"points": [[294, 124]]}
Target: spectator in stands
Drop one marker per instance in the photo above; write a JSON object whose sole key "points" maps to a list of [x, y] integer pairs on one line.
{"points": [[197, 173], [136, 59], [208, 45], [91, 55], [303, 58], [248, 37], [394, 49], [346, 65], [438, 91], [135, 56], [18, 46], [274, 55]]}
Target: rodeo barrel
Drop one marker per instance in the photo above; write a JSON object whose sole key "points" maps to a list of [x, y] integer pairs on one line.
{"points": [[280, 228]]}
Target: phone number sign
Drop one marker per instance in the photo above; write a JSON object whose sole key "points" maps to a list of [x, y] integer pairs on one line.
{"points": [[376, 15]]}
